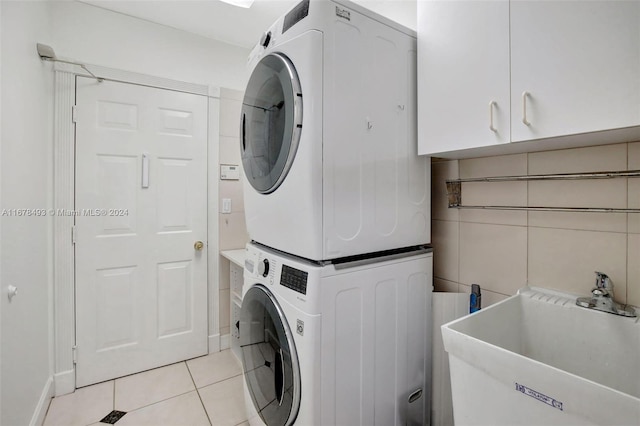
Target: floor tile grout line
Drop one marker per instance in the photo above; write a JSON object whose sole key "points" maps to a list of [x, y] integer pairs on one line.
{"points": [[165, 399], [239, 365], [195, 387], [162, 400], [246, 420], [219, 381], [212, 384], [198, 393], [206, 413], [191, 375], [113, 402]]}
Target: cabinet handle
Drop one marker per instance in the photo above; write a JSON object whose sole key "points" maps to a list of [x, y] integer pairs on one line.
{"points": [[491, 105], [524, 108]]}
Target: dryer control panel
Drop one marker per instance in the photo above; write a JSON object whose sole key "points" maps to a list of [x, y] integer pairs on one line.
{"points": [[294, 279]]}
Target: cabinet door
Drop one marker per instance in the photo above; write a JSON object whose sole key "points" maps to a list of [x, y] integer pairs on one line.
{"points": [[580, 63], [463, 67]]}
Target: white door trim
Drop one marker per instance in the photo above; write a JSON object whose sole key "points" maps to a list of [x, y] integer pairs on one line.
{"points": [[64, 194]]}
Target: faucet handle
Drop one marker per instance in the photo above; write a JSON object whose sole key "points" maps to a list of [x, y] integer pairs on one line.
{"points": [[604, 283]]}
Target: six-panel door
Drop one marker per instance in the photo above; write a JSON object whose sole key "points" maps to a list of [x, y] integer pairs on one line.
{"points": [[141, 207]]}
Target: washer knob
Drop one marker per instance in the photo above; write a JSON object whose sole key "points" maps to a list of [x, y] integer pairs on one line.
{"points": [[263, 267], [265, 39]]}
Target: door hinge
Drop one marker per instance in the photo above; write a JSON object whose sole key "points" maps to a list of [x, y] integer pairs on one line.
{"points": [[74, 352], [74, 114], [73, 234]]}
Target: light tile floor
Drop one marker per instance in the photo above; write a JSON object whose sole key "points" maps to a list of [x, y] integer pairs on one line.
{"points": [[201, 391]]}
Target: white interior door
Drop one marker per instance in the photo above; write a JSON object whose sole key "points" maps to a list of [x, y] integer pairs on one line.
{"points": [[141, 188]]}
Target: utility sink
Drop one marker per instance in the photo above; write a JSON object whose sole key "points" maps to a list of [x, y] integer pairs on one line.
{"points": [[537, 359]]}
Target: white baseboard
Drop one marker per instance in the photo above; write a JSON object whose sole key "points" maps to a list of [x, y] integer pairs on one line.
{"points": [[64, 382], [43, 404], [225, 341], [214, 343]]}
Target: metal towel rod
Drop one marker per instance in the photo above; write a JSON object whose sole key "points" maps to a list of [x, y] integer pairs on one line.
{"points": [[454, 191]]}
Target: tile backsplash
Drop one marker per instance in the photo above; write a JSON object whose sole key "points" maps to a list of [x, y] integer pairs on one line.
{"points": [[505, 250]]}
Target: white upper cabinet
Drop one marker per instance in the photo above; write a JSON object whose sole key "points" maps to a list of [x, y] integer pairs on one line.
{"points": [[550, 69], [463, 75], [579, 62]]}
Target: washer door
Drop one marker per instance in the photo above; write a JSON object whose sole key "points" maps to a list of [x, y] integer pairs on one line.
{"points": [[269, 358], [271, 122]]}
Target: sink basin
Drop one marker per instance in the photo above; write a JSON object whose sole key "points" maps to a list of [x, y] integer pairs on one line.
{"points": [[537, 358]]}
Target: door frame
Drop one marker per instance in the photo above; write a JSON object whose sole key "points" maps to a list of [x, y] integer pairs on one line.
{"points": [[64, 332]]}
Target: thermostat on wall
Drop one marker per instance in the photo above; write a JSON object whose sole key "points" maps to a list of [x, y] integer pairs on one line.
{"points": [[229, 172]]}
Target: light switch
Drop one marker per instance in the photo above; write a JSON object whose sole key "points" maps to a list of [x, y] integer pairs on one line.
{"points": [[226, 205]]}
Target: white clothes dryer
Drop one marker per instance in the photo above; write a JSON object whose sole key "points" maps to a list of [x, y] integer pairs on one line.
{"points": [[336, 344], [328, 135]]}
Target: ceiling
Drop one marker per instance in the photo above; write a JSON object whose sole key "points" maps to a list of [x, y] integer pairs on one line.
{"points": [[235, 25]]}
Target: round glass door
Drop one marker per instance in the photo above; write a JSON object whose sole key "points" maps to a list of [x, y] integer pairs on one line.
{"points": [[271, 122], [269, 358]]}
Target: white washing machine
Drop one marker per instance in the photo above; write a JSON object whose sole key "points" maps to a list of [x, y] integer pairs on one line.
{"points": [[336, 344], [328, 135]]}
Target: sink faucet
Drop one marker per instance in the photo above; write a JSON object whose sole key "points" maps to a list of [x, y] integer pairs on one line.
{"points": [[602, 298], [604, 286]]}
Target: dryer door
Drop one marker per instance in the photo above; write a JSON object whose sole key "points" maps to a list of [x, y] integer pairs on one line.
{"points": [[269, 358], [271, 122]]}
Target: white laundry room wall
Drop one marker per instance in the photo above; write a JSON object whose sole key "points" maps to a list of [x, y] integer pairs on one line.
{"points": [[101, 37], [26, 171], [232, 226], [95, 36]]}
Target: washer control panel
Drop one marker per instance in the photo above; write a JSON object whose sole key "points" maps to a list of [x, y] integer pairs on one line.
{"points": [[294, 279], [258, 265]]}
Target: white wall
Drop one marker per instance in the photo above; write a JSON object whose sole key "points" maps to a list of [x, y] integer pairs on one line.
{"points": [[97, 36], [92, 35], [26, 182], [232, 227]]}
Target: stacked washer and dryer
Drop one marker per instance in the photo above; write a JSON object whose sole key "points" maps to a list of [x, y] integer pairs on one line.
{"points": [[336, 313]]}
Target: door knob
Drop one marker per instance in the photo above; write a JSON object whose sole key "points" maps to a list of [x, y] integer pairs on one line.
{"points": [[198, 245]]}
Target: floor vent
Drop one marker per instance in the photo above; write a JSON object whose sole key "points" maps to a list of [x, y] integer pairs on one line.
{"points": [[113, 417]]}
